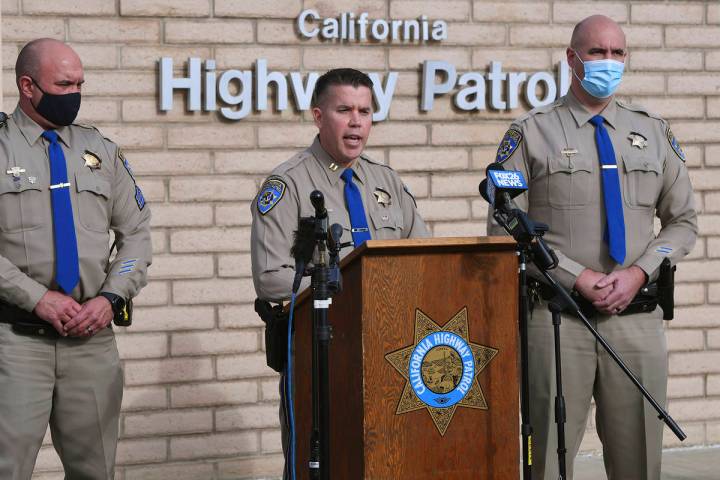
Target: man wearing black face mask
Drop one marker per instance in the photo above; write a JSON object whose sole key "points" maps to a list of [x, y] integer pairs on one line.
{"points": [[63, 187]]}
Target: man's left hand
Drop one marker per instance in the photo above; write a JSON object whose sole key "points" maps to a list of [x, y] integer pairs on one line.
{"points": [[94, 315], [625, 285]]}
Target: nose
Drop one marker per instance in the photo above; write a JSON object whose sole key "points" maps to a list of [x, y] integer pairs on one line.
{"points": [[354, 118]]}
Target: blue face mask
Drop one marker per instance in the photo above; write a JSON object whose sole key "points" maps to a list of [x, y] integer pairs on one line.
{"points": [[602, 77]]}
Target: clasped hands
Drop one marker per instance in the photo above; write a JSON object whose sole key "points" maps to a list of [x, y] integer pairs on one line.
{"points": [[72, 319], [610, 293]]}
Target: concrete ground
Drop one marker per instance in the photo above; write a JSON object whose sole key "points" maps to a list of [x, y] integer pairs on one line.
{"points": [[678, 464]]}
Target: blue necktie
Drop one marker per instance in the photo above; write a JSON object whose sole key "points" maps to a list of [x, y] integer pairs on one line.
{"points": [[615, 234], [67, 269], [353, 200]]}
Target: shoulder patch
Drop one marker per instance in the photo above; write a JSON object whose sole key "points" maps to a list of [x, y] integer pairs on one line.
{"points": [[139, 199], [125, 163], [271, 192], [675, 145], [510, 142]]}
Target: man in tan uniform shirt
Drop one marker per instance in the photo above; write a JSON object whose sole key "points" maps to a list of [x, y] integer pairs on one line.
{"points": [[58, 360], [342, 109], [555, 149]]}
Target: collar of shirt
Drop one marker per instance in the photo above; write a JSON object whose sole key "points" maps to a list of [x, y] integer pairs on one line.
{"points": [[32, 131], [331, 168], [582, 116]]}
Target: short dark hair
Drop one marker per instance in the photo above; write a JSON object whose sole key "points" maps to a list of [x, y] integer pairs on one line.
{"points": [[339, 76]]}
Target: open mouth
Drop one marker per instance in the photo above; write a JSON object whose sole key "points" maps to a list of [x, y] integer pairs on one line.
{"points": [[353, 139]]}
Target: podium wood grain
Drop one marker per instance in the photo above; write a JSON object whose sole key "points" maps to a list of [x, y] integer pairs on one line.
{"points": [[384, 283]]}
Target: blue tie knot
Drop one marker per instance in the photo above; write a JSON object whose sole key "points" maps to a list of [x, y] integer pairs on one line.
{"points": [[347, 175], [597, 120], [50, 135]]}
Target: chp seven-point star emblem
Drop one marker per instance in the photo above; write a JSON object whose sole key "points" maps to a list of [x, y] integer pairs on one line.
{"points": [[441, 369]]}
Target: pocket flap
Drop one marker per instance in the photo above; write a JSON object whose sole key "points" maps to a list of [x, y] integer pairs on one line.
{"points": [[642, 164], [8, 185], [563, 164], [386, 218], [92, 183]]}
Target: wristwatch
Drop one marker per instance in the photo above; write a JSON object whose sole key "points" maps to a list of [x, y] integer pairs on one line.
{"points": [[116, 302]]}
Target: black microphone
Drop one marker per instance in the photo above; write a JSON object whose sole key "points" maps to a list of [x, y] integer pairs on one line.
{"points": [[334, 235], [303, 248], [318, 201]]}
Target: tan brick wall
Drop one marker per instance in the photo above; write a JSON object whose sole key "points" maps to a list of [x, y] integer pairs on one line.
{"points": [[199, 401]]}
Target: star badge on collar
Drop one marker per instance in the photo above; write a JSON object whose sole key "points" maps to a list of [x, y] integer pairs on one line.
{"points": [[382, 197], [638, 140]]}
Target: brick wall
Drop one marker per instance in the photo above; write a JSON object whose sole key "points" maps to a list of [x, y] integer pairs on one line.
{"points": [[199, 401]]}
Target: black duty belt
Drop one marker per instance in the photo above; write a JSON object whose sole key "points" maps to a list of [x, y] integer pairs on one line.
{"points": [[26, 323], [645, 301]]}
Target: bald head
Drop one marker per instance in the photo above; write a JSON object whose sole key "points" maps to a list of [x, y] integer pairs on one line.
{"points": [[595, 27], [44, 53], [47, 71]]}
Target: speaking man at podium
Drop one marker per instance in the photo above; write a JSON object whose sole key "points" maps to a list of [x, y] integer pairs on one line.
{"points": [[366, 197], [598, 172]]}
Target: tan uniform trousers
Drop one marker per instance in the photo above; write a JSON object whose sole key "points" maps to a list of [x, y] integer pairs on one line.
{"points": [[73, 384], [627, 425]]}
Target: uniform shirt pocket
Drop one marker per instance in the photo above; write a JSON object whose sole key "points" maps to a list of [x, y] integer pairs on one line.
{"points": [[569, 181], [642, 181], [387, 223], [23, 205], [93, 195]]}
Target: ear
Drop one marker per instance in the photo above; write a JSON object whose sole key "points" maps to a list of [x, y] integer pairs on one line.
{"points": [[25, 86], [317, 114], [571, 56]]}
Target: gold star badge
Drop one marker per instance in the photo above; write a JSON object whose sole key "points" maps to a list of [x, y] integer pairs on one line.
{"points": [[441, 369], [638, 140], [91, 160], [382, 197]]}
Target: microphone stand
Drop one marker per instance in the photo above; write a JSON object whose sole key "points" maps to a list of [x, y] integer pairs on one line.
{"points": [[528, 234], [325, 282]]}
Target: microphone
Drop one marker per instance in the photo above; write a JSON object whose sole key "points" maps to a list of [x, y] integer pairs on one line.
{"points": [[336, 231], [501, 186], [318, 201], [303, 248]]}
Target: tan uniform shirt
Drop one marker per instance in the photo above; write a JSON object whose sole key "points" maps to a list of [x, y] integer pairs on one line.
{"points": [[103, 198], [558, 156], [390, 210]]}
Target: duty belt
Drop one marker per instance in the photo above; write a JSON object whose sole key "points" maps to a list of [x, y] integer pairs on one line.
{"points": [[26, 323], [645, 301]]}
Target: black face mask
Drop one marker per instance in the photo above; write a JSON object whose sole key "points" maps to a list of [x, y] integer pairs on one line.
{"points": [[59, 110]]}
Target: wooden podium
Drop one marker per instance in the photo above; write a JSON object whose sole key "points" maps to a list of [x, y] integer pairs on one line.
{"points": [[418, 306]]}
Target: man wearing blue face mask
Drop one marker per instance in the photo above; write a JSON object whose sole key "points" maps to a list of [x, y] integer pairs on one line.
{"points": [[598, 171]]}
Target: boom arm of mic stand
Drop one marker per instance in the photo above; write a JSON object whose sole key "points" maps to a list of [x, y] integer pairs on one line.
{"points": [[506, 219], [567, 301]]}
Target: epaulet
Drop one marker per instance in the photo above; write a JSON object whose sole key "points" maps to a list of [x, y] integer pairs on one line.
{"points": [[3, 119], [540, 110], [638, 109], [291, 163], [374, 162]]}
